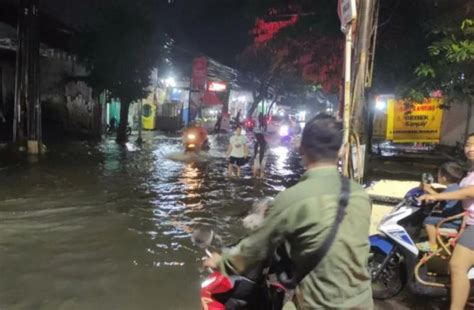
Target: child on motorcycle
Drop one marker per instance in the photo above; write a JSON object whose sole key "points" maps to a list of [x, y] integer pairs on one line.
{"points": [[463, 256], [449, 174]]}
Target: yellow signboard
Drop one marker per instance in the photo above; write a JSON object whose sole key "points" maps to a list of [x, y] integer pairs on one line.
{"points": [[414, 121]]}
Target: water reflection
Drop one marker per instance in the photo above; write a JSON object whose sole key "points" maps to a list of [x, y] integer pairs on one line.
{"points": [[192, 180], [102, 227]]}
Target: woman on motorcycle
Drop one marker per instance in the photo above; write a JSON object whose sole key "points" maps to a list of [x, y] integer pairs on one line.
{"points": [[463, 255]]}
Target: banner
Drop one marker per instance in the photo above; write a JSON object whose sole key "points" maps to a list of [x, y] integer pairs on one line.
{"points": [[409, 122], [199, 75]]}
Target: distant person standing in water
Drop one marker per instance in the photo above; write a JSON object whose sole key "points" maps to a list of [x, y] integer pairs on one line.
{"points": [[260, 155], [237, 118], [262, 121], [217, 126], [237, 152]]}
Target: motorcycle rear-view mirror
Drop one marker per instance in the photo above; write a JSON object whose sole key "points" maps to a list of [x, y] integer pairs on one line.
{"points": [[427, 178], [202, 237]]}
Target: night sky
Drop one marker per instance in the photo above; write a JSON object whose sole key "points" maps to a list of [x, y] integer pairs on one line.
{"points": [[216, 28]]}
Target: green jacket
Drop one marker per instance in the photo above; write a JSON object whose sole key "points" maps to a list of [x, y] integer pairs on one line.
{"points": [[302, 216]]}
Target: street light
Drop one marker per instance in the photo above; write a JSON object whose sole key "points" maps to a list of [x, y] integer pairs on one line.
{"points": [[380, 104], [170, 82]]}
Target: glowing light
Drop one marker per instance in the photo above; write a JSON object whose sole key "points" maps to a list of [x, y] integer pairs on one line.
{"points": [[191, 136], [284, 131], [170, 82], [380, 105], [302, 115], [217, 86]]}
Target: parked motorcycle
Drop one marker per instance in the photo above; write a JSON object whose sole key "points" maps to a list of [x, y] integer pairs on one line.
{"points": [[395, 260]]}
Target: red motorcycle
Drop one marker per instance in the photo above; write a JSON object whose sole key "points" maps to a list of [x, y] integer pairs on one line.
{"points": [[235, 292], [254, 290]]}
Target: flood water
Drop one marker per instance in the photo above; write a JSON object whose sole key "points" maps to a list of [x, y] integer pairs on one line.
{"points": [[99, 226]]}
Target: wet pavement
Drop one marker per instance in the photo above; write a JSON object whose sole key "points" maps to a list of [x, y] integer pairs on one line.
{"points": [[103, 227], [99, 226]]}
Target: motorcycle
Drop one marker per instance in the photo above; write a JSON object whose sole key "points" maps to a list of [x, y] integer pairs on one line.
{"points": [[249, 124], [395, 260], [250, 291], [285, 134], [271, 281], [257, 289], [194, 142]]}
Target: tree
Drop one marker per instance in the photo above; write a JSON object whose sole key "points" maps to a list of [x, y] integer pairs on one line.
{"points": [[423, 47], [295, 40], [450, 68], [401, 45], [120, 51]]}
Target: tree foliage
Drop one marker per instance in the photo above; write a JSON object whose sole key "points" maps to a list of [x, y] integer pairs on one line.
{"points": [[120, 51], [451, 65], [297, 41], [424, 47]]}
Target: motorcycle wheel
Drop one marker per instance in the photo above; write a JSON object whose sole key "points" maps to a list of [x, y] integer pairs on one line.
{"points": [[391, 279]]}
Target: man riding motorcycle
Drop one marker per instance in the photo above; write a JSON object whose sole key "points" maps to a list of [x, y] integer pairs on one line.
{"points": [[303, 218], [195, 137]]}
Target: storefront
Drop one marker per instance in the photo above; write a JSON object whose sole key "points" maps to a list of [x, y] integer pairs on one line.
{"points": [[170, 109]]}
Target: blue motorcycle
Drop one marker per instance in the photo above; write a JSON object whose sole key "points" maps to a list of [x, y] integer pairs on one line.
{"points": [[395, 260]]}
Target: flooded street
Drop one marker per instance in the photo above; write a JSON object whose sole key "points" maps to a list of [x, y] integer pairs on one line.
{"points": [[98, 226], [102, 227]]}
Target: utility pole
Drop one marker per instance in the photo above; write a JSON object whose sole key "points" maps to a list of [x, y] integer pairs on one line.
{"points": [[27, 122], [359, 25], [347, 13]]}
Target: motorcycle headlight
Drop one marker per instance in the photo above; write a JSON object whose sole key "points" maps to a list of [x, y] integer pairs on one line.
{"points": [[284, 131], [191, 136]]}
